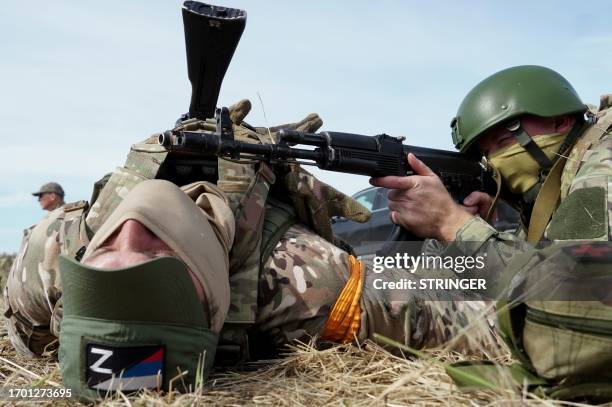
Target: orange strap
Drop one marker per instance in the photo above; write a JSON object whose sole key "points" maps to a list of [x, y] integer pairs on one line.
{"points": [[345, 317]]}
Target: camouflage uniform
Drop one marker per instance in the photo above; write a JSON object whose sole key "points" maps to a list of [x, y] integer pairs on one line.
{"points": [[301, 282]]}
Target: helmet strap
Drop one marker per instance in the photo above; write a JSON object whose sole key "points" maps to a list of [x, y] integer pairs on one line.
{"points": [[536, 153], [498, 182], [572, 136], [529, 197], [530, 146]]}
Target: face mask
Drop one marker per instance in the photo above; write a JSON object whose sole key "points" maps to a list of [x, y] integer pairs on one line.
{"points": [[519, 171]]}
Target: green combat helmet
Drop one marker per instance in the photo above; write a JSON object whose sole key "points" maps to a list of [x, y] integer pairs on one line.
{"points": [[511, 93]]}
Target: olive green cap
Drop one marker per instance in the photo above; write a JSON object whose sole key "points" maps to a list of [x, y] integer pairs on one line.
{"points": [[50, 187], [510, 93]]}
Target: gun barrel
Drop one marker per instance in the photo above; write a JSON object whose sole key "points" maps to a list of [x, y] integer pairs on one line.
{"points": [[165, 139], [300, 137], [211, 144]]}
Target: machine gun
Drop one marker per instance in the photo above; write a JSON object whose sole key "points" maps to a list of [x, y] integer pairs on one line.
{"points": [[375, 156], [211, 37]]}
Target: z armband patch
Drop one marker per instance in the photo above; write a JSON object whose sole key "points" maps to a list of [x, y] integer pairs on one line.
{"points": [[125, 368]]}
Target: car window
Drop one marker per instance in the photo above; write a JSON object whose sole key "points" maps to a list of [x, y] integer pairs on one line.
{"points": [[367, 198], [381, 200]]}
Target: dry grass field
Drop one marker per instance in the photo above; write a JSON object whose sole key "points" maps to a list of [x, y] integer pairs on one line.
{"points": [[344, 375]]}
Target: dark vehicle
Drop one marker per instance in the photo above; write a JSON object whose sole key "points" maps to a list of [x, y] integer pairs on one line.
{"points": [[367, 238]]}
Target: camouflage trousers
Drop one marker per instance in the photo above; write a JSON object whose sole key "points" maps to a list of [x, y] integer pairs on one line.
{"points": [[305, 274]]}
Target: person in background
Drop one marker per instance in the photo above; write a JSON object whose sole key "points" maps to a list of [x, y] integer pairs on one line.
{"points": [[50, 196]]}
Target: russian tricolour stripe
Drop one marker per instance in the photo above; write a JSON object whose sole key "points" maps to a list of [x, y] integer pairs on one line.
{"points": [[146, 374]]}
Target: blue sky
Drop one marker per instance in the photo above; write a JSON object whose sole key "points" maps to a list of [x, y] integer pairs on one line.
{"points": [[81, 81]]}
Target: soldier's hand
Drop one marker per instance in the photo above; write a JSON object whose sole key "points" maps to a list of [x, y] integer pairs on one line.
{"points": [[478, 203], [421, 203]]}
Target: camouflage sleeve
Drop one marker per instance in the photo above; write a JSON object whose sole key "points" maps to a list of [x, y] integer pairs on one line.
{"points": [[498, 248], [298, 286], [425, 318], [301, 282]]}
